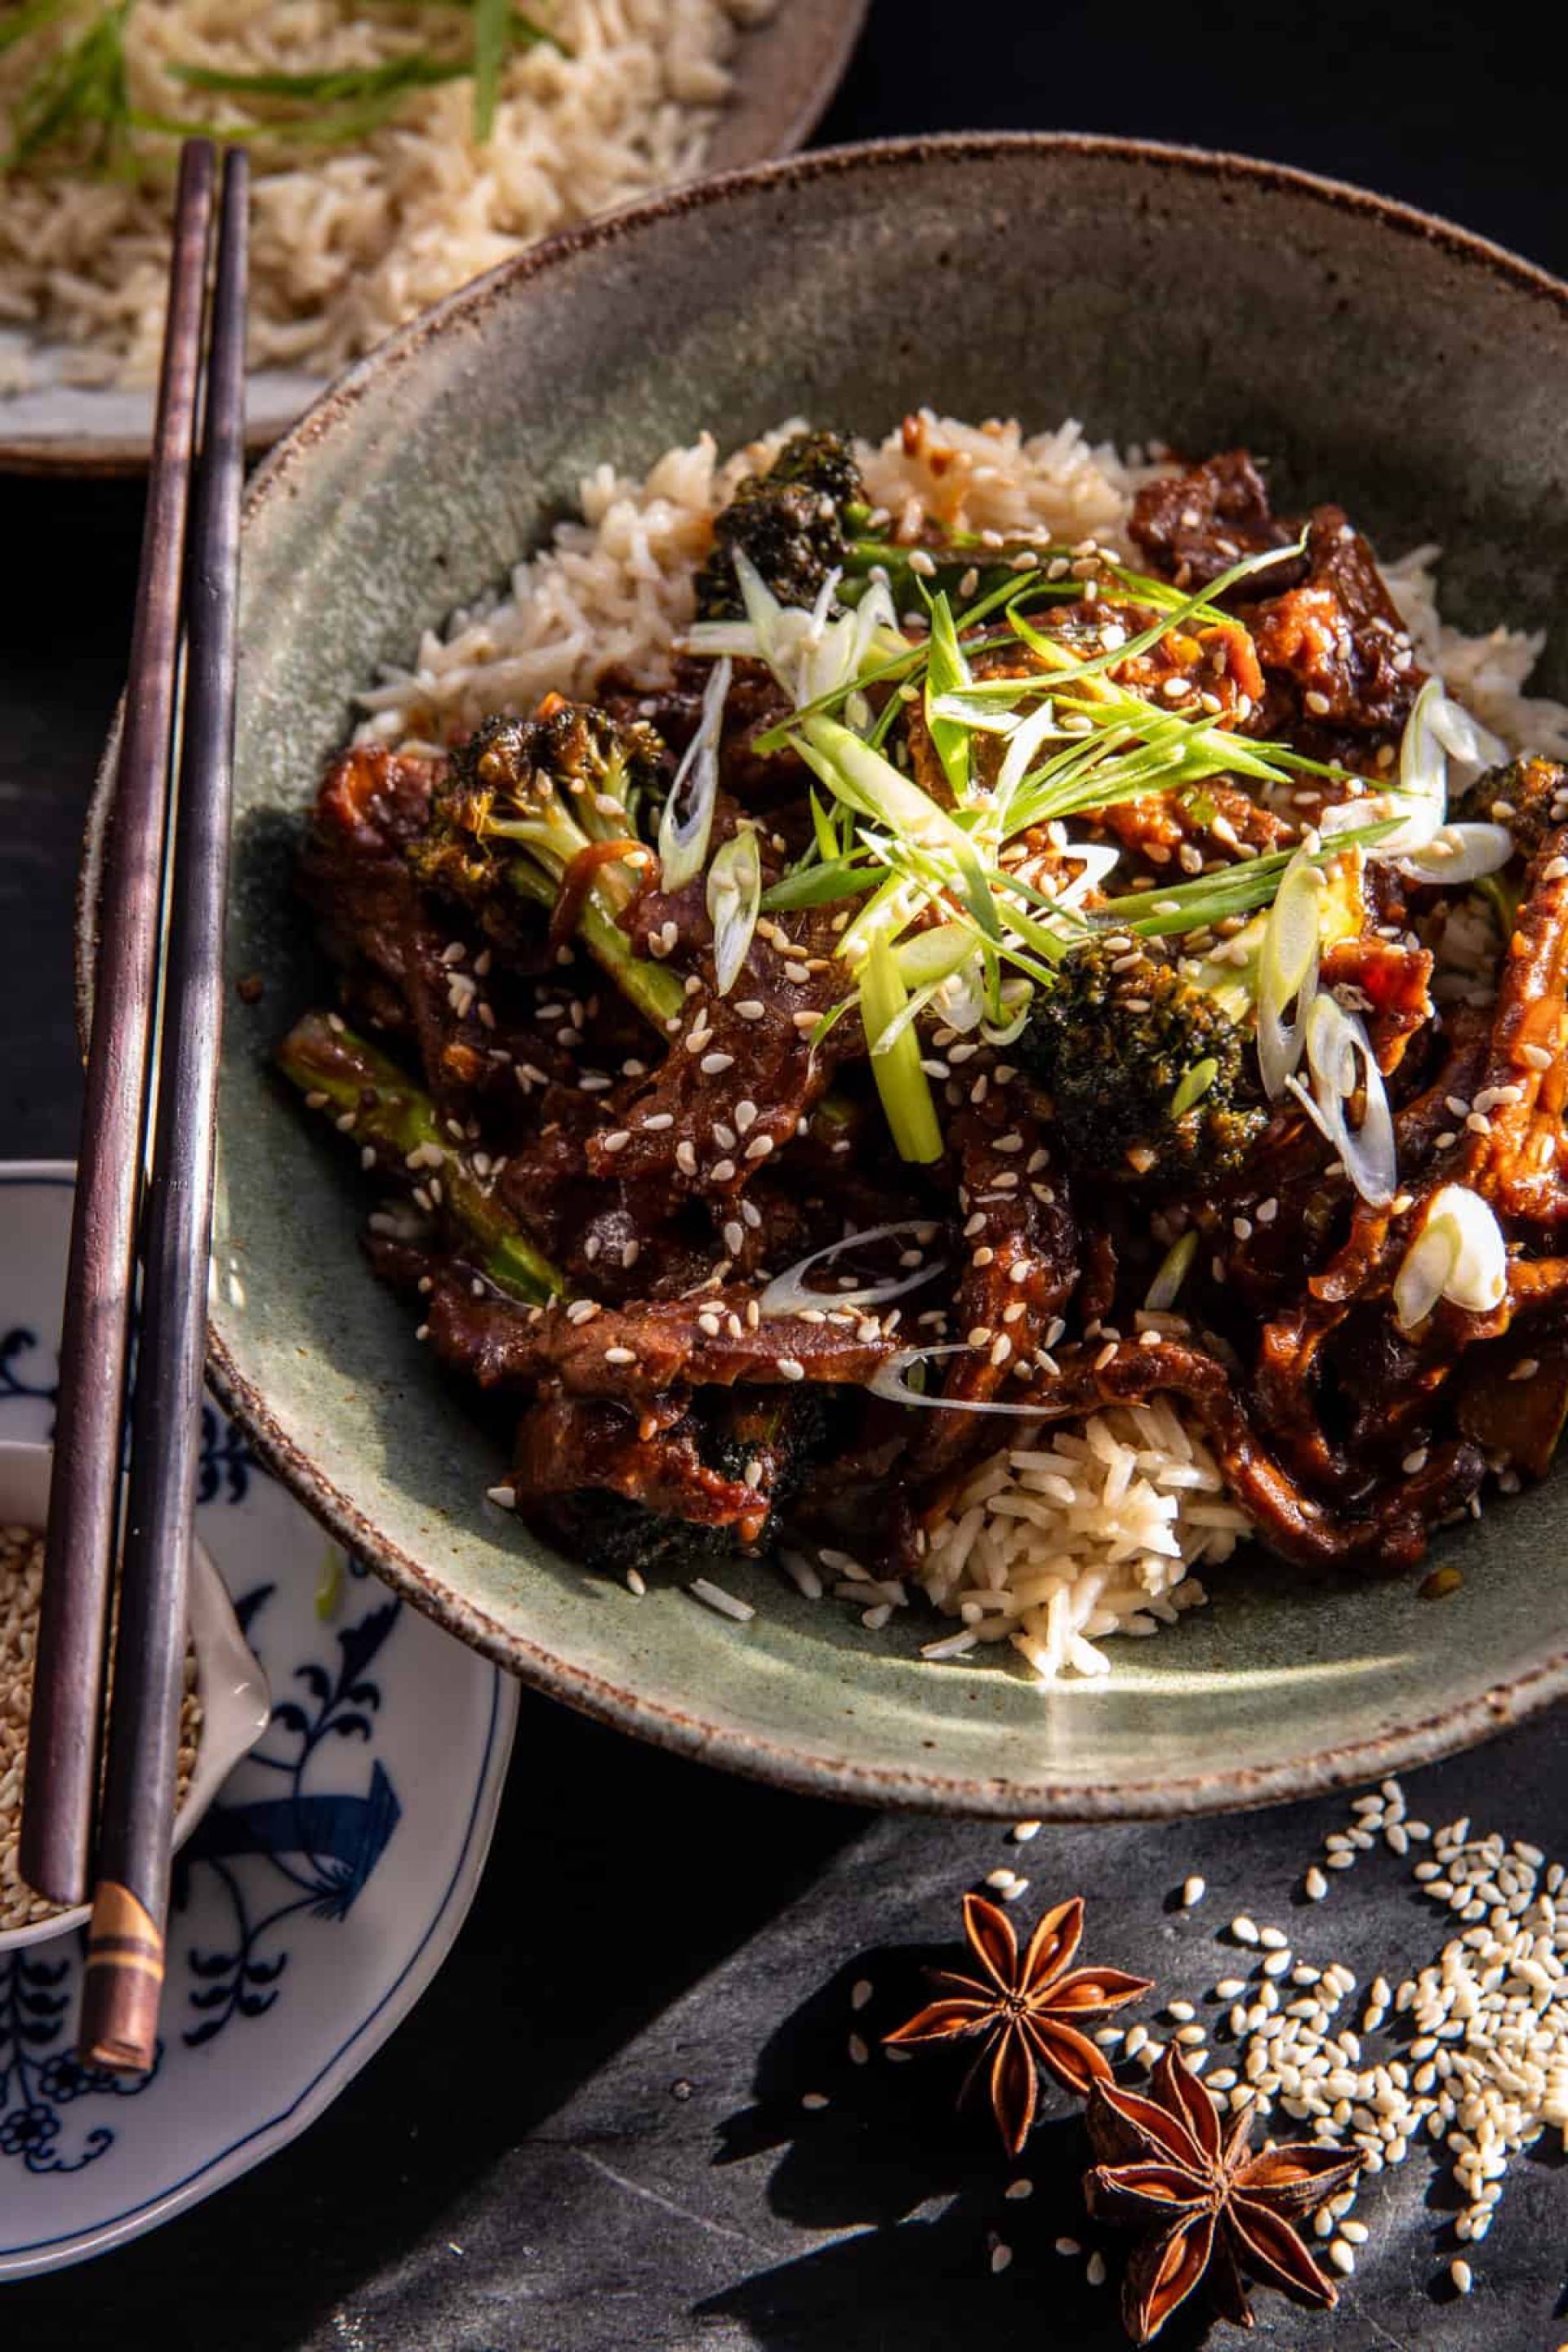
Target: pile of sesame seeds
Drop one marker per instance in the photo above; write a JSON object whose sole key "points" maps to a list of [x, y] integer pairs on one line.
{"points": [[21, 1586], [1465, 2054]]}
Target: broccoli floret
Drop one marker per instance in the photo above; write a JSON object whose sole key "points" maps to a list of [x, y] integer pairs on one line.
{"points": [[1149, 1080], [526, 798], [794, 522], [1523, 795], [548, 786], [611, 1533], [783, 1435]]}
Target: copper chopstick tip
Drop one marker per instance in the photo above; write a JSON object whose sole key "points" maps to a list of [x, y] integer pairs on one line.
{"points": [[122, 1984]]}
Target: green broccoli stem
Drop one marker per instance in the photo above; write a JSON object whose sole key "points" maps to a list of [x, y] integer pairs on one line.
{"points": [[398, 1120], [656, 993], [960, 553]]}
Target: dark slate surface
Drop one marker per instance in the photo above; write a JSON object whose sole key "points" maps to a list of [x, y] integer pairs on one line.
{"points": [[589, 2135]]}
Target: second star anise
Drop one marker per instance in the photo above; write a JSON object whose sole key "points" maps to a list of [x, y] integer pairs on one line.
{"points": [[1204, 2204], [1025, 2013]]}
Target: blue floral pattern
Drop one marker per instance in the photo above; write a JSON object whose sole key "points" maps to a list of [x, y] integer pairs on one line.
{"points": [[320, 1847], [36, 2080], [283, 1907], [14, 1345], [226, 1461]]}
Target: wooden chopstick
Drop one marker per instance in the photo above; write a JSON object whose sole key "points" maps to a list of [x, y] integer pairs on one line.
{"points": [[63, 1744], [124, 1973]]}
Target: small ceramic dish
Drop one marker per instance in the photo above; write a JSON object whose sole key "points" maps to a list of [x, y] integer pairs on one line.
{"points": [[236, 1701]]}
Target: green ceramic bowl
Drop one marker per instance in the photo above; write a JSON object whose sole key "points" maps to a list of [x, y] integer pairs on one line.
{"points": [[1373, 355]]}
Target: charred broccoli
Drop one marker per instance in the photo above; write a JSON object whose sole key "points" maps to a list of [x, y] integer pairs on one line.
{"points": [[547, 806], [796, 523], [1149, 1079], [1529, 795], [776, 1437]]}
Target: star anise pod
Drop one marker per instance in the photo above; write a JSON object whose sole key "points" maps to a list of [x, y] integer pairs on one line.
{"points": [[1025, 2013], [1206, 2205]]}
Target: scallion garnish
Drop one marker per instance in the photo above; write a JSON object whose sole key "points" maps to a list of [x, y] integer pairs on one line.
{"points": [[83, 86]]}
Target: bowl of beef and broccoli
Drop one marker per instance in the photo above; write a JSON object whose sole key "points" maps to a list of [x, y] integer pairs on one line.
{"points": [[895, 1113]]}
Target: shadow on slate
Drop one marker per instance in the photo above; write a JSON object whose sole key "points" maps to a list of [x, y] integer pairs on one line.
{"points": [[596, 1912]]}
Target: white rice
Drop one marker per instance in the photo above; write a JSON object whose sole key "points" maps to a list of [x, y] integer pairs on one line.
{"points": [[347, 243], [1056, 1542], [1076, 1533], [1486, 673]]}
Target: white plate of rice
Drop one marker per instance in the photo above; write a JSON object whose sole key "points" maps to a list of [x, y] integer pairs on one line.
{"points": [[350, 241]]}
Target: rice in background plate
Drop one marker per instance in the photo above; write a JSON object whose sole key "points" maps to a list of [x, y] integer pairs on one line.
{"points": [[346, 245]]}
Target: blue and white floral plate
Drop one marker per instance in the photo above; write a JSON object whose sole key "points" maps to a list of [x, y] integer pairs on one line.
{"points": [[318, 1896]]}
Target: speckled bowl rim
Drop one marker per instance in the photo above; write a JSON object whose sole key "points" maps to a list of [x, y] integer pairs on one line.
{"points": [[1419, 1741]]}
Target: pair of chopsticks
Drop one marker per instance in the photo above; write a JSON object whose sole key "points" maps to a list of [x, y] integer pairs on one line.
{"points": [[144, 1178]]}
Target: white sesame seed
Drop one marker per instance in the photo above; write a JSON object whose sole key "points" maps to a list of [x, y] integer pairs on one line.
{"points": [[1193, 1892]]}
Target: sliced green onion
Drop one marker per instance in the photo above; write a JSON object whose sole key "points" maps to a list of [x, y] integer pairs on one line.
{"points": [[902, 1084], [735, 902], [683, 840], [1194, 1085], [492, 32], [822, 831], [1458, 853], [1458, 1255], [1287, 973], [947, 672], [888, 1380], [831, 1018], [1172, 1273], [872, 786], [818, 886], [788, 1292], [1338, 1053]]}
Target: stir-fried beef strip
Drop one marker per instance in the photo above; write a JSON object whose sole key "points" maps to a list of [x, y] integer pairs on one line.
{"points": [[1337, 671], [1193, 526], [716, 1339], [1021, 1266], [1503, 1142], [1384, 1525], [598, 1161], [740, 1072]]}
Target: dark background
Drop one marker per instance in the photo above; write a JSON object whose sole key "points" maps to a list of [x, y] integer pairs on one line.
{"points": [[588, 2138]]}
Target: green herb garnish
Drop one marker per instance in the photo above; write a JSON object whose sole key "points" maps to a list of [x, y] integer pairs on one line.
{"points": [[82, 87]]}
